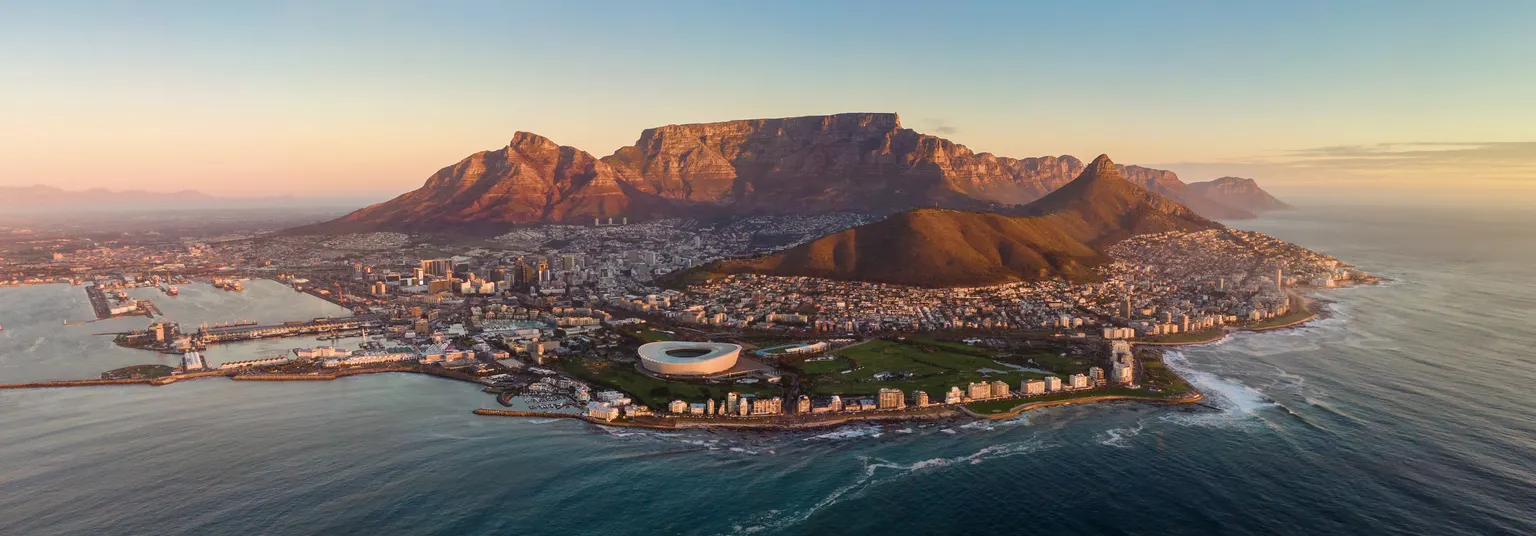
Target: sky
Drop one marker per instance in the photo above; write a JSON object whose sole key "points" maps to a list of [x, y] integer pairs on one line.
{"points": [[1361, 99]]}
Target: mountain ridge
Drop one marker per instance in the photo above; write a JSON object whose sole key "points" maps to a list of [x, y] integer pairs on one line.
{"points": [[1061, 235], [858, 162], [1239, 192]]}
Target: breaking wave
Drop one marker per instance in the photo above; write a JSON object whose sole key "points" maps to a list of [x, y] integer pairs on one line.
{"points": [[877, 471]]}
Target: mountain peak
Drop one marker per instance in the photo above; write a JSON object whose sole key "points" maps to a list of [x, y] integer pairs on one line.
{"points": [[1239, 192], [528, 139], [1102, 167]]}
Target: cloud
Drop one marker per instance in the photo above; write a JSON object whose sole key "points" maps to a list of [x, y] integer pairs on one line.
{"points": [[1509, 160], [1488, 169], [941, 126]]}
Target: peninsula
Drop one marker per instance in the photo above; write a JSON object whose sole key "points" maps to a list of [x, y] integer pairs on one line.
{"points": [[716, 275]]}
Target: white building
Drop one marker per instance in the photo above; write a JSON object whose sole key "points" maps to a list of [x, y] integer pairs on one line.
{"points": [[1078, 381], [1052, 384]]}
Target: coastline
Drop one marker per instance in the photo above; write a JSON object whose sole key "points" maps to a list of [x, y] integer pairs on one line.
{"points": [[1021, 408], [234, 376], [1311, 305], [776, 422]]}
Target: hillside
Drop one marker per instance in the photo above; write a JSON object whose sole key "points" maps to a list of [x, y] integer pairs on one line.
{"points": [[854, 162], [1061, 235], [1238, 192], [532, 179]]}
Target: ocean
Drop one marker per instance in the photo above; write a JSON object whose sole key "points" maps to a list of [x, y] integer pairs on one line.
{"points": [[1406, 411]]}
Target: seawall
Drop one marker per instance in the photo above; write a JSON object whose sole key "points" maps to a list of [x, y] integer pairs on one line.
{"points": [[1198, 396], [73, 383]]}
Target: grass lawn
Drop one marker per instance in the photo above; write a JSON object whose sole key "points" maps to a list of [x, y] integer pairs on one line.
{"points": [[655, 392], [1156, 375], [1192, 336], [1052, 359], [922, 365], [138, 372], [957, 347], [813, 368], [645, 335]]}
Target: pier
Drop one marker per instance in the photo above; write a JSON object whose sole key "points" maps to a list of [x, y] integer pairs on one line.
{"points": [[286, 329], [99, 302]]}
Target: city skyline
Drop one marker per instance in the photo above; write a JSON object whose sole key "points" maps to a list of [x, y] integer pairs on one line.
{"points": [[370, 99]]}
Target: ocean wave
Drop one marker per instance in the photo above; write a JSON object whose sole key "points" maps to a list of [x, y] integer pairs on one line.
{"points": [[1238, 402], [848, 432], [1117, 437], [990, 425], [877, 471]]}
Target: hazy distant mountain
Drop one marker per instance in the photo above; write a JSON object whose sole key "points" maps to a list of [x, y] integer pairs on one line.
{"points": [[1239, 192], [854, 162], [1167, 184], [1061, 235], [41, 198]]}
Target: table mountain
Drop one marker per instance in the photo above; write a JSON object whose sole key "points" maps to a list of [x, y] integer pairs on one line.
{"points": [[847, 162], [1238, 192], [855, 162], [1061, 235]]}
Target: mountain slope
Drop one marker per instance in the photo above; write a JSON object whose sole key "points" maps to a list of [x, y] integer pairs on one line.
{"points": [[855, 162], [1167, 184], [1100, 208], [1061, 235], [1238, 192], [532, 179], [846, 162]]}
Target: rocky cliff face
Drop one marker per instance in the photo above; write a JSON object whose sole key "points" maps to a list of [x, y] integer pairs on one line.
{"points": [[532, 179], [1238, 192], [1167, 184], [856, 161], [860, 162]]}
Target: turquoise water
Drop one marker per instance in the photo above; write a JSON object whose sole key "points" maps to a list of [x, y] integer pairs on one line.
{"points": [[1407, 412]]}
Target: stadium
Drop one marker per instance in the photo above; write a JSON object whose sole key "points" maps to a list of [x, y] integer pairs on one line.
{"points": [[682, 358]]}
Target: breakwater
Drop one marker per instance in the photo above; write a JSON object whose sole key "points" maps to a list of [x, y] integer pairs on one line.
{"points": [[98, 302], [166, 380], [73, 383], [516, 413]]}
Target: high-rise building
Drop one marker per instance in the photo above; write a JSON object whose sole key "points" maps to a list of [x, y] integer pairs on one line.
{"points": [[999, 389], [1034, 387], [1052, 384], [435, 267], [920, 398], [891, 399], [1123, 374], [979, 390], [770, 406], [732, 400], [803, 405], [1096, 376], [1078, 381]]}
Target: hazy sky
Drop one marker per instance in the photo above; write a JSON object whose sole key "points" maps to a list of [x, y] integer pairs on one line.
{"points": [[1424, 100]]}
